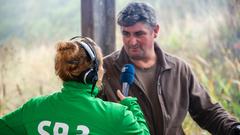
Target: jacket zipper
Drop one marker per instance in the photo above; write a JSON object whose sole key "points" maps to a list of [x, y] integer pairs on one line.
{"points": [[165, 116], [148, 100]]}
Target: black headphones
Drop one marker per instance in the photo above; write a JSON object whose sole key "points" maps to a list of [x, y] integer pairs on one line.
{"points": [[90, 75]]}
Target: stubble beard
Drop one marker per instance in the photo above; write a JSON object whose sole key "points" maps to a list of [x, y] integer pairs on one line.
{"points": [[139, 56]]}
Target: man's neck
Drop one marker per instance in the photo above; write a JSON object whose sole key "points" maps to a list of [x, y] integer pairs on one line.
{"points": [[145, 63]]}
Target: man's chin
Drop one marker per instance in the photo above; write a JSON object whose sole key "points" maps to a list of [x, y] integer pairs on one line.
{"points": [[136, 57]]}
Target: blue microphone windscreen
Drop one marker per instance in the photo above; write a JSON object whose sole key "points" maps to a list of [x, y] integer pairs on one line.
{"points": [[127, 75]]}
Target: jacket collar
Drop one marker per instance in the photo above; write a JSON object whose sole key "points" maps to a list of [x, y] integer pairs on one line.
{"points": [[79, 88], [163, 61]]}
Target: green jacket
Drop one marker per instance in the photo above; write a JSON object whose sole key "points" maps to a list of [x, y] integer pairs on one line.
{"points": [[75, 111]]}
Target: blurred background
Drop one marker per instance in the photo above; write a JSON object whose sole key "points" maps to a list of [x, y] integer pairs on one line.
{"points": [[205, 33]]}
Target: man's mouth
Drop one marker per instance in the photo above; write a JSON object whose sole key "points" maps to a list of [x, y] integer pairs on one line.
{"points": [[134, 49]]}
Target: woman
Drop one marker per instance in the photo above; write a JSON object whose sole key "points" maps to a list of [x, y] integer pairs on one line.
{"points": [[75, 109]]}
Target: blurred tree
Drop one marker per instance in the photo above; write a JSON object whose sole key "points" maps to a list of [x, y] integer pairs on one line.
{"points": [[98, 22]]}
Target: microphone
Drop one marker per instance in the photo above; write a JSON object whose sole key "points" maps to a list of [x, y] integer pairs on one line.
{"points": [[127, 77]]}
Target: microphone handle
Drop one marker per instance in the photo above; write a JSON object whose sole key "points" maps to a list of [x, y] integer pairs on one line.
{"points": [[125, 88]]}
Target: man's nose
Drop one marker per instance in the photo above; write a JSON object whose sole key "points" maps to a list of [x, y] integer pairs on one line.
{"points": [[132, 40]]}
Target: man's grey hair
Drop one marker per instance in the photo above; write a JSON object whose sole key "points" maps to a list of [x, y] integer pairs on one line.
{"points": [[137, 12]]}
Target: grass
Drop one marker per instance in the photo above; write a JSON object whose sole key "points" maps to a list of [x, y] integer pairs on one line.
{"points": [[25, 73]]}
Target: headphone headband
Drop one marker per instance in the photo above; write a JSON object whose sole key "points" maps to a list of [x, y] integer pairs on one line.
{"points": [[90, 50], [90, 75]]}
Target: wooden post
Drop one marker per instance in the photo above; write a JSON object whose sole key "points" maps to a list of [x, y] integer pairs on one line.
{"points": [[87, 18], [98, 23]]}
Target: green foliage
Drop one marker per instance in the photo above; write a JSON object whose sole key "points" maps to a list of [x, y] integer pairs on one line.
{"points": [[222, 82]]}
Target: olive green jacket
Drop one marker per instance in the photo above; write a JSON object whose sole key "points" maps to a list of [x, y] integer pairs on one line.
{"points": [[178, 92]]}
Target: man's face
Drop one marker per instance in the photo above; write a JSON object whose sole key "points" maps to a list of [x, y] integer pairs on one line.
{"points": [[138, 40]]}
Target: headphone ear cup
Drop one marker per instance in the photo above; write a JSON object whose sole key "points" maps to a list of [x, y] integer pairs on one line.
{"points": [[88, 76], [92, 77]]}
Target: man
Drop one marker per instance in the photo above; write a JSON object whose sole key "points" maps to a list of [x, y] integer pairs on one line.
{"points": [[165, 86]]}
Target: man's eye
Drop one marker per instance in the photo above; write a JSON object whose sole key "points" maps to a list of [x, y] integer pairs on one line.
{"points": [[125, 33], [138, 34]]}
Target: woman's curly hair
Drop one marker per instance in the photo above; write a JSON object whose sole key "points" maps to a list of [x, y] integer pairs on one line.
{"points": [[71, 59]]}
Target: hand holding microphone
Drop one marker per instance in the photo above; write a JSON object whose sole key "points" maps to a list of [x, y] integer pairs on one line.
{"points": [[127, 78], [120, 95]]}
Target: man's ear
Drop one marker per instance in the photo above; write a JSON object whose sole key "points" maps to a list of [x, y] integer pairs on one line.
{"points": [[156, 30]]}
